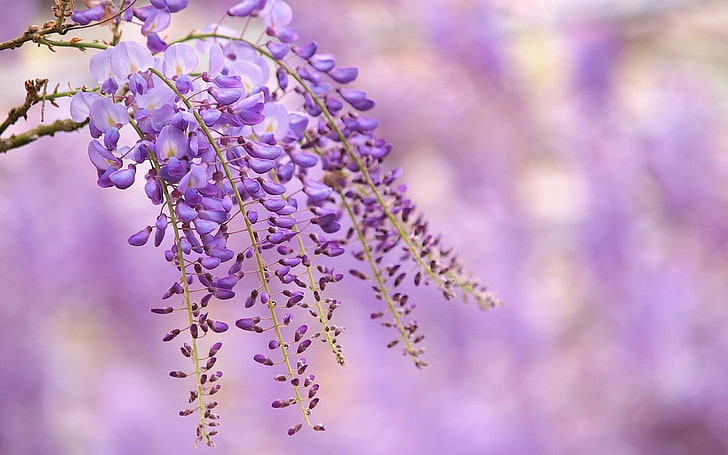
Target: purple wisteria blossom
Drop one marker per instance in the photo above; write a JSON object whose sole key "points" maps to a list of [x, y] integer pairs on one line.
{"points": [[262, 164]]}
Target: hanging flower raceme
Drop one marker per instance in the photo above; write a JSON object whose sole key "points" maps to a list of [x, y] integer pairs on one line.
{"points": [[264, 142]]}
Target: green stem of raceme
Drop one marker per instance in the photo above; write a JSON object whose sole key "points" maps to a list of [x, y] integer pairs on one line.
{"points": [[258, 257], [186, 290], [401, 231]]}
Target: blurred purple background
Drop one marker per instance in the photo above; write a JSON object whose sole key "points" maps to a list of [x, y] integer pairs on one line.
{"points": [[573, 152]]}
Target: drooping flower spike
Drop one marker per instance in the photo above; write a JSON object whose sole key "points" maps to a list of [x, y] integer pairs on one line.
{"points": [[281, 160]]}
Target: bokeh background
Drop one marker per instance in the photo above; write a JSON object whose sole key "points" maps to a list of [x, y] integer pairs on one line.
{"points": [[574, 152]]}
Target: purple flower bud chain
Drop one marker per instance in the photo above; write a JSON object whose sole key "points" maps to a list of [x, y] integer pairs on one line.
{"points": [[265, 170]]}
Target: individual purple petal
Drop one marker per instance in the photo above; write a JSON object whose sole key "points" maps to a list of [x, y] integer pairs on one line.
{"points": [[306, 51], [245, 8], [275, 122], [272, 187], [227, 96], [260, 166], [273, 205], [217, 326], [315, 190], [210, 262], [161, 225], [304, 159], [195, 178], [123, 178], [153, 190], [205, 226], [276, 14], [141, 237], [264, 151], [171, 142], [357, 98], [179, 59], [173, 171], [105, 114], [94, 13], [156, 21], [277, 50], [101, 157], [155, 43], [185, 212], [81, 104], [218, 216], [344, 74], [130, 57], [323, 62]]}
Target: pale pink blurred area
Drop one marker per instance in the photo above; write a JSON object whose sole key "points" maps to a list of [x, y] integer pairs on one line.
{"points": [[574, 153]]}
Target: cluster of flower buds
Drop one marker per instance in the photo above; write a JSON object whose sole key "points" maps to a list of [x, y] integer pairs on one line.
{"points": [[262, 164]]}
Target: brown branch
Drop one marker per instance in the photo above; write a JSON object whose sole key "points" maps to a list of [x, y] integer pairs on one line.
{"points": [[31, 97], [61, 10], [19, 140]]}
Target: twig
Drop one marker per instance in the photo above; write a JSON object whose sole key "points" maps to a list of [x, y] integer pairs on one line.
{"points": [[19, 140], [31, 97]]}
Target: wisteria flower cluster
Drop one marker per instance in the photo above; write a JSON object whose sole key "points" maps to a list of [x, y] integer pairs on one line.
{"points": [[263, 164]]}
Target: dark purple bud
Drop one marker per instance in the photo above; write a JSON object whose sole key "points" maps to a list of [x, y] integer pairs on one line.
{"points": [[248, 324], [210, 363], [263, 359], [312, 404], [166, 310], [273, 344], [171, 335], [295, 298], [178, 374], [313, 390], [294, 429], [279, 403], [279, 378], [141, 237], [214, 349], [344, 74], [194, 331], [318, 427], [300, 332], [217, 326], [303, 346], [301, 366]]}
